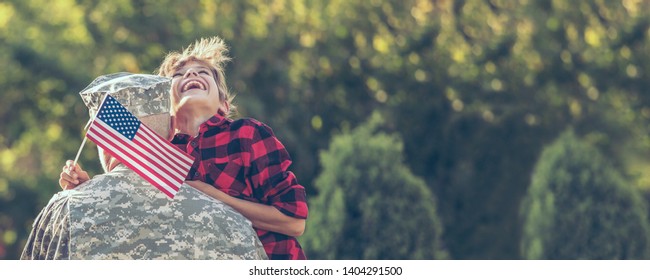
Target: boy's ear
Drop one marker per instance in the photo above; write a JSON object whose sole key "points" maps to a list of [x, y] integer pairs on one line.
{"points": [[226, 107]]}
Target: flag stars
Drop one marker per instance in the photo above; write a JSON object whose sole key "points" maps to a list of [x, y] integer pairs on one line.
{"points": [[118, 118]]}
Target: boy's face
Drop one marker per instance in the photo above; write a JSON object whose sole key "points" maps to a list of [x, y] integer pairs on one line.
{"points": [[193, 84]]}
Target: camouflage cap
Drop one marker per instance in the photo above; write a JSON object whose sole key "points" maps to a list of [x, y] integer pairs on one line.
{"points": [[141, 94]]}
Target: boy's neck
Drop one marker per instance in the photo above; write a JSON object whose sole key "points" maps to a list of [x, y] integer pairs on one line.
{"points": [[188, 122]]}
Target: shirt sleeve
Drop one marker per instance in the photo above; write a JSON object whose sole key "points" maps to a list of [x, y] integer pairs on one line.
{"points": [[50, 235], [269, 174]]}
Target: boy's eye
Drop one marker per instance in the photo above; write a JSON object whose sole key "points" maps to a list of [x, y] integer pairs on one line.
{"points": [[203, 72], [177, 75]]}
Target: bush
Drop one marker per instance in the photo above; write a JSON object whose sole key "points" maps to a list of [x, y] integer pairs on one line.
{"points": [[370, 205], [579, 207]]}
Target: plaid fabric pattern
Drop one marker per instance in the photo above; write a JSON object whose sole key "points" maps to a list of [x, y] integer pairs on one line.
{"points": [[244, 159]]}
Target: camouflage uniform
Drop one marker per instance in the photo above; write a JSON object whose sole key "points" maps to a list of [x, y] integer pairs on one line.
{"points": [[119, 215], [141, 94]]}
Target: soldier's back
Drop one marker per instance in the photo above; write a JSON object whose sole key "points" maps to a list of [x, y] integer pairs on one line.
{"points": [[119, 215]]}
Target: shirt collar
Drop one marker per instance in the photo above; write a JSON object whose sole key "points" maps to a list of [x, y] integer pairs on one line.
{"points": [[217, 119]]}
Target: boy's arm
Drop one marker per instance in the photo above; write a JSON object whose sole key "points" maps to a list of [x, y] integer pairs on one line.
{"points": [[262, 216]]}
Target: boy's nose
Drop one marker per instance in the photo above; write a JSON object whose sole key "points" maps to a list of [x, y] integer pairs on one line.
{"points": [[190, 72]]}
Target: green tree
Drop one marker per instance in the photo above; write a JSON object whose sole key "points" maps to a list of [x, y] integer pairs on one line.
{"points": [[370, 205], [579, 207], [486, 84]]}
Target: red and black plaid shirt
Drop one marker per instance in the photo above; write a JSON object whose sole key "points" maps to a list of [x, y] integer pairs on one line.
{"points": [[244, 159]]}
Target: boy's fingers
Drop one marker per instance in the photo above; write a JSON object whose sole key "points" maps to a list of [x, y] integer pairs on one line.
{"points": [[65, 184], [68, 179], [77, 168], [72, 175]]}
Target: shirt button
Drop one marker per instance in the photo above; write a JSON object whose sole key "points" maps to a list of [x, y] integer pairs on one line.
{"points": [[193, 144], [197, 175]]}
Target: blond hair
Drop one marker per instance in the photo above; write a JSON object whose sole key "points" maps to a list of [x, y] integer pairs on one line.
{"points": [[210, 51]]}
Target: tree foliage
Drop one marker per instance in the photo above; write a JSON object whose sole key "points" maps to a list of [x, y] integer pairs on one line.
{"points": [[474, 88], [366, 194], [579, 207]]}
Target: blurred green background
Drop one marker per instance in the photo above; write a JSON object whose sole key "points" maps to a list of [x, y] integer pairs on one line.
{"points": [[421, 129]]}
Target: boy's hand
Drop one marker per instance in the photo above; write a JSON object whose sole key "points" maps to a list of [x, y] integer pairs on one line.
{"points": [[72, 176]]}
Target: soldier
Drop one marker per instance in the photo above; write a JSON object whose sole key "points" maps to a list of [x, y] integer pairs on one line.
{"points": [[119, 215]]}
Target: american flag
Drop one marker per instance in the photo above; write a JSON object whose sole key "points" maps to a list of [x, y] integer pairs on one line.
{"points": [[122, 135]]}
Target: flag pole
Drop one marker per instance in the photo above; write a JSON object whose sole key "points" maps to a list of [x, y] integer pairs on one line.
{"points": [[79, 152], [83, 143]]}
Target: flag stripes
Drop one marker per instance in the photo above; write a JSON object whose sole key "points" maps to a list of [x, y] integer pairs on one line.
{"points": [[147, 153]]}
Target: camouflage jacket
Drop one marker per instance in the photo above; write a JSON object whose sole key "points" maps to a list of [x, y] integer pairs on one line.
{"points": [[118, 215]]}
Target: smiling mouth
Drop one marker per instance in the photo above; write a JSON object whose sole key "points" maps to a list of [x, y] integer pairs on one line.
{"points": [[193, 85]]}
